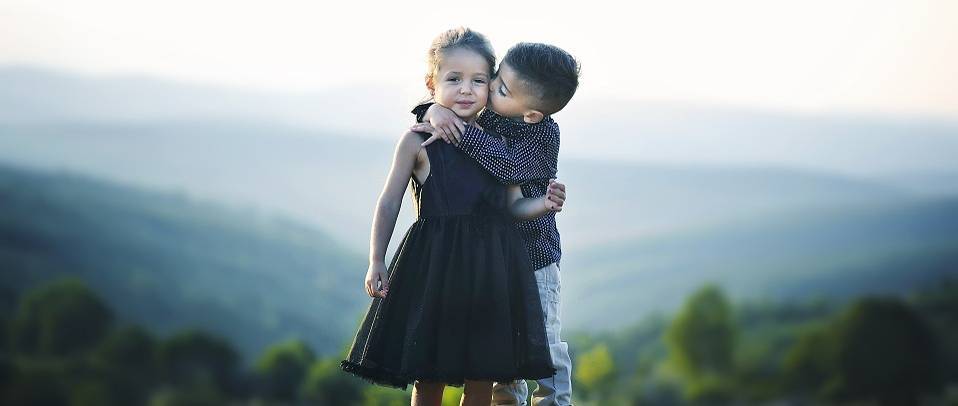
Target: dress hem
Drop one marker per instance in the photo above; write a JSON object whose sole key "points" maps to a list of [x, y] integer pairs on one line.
{"points": [[401, 381]]}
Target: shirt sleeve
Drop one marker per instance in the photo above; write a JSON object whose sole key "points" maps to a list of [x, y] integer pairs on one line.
{"points": [[420, 111], [521, 159]]}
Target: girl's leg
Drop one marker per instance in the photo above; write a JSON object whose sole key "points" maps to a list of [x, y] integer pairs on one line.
{"points": [[476, 393], [427, 393]]}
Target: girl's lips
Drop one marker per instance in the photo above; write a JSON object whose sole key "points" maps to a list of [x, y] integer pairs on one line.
{"points": [[466, 103]]}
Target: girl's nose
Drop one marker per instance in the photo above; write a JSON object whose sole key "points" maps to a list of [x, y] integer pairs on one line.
{"points": [[466, 89]]}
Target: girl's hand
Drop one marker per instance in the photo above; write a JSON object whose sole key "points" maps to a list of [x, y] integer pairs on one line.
{"points": [[555, 196], [446, 125], [376, 283]]}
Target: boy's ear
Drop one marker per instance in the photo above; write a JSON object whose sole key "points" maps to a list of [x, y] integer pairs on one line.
{"points": [[533, 116]]}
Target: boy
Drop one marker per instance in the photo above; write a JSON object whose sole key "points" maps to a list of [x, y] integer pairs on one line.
{"points": [[534, 81]]}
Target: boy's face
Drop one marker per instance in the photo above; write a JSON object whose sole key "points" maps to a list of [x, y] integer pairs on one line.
{"points": [[510, 96]]}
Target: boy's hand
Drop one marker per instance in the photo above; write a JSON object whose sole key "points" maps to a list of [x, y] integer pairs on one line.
{"points": [[376, 276], [555, 195], [446, 125]]}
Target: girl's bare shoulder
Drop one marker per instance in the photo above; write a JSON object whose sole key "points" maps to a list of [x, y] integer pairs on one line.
{"points": [[411, 142]]}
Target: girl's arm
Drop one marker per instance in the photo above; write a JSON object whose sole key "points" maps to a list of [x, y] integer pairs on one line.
{"points": [[529, 208], [387, 210]]}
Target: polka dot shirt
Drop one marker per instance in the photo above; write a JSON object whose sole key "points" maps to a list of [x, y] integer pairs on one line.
{"points": [[528, 156]]}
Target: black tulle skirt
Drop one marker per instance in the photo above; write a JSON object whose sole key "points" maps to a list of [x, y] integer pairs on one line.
{"points": [[462, 305]]}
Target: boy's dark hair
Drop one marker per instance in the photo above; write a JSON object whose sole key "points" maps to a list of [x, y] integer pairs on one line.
{"points": [[550, 73], [461, 37]]}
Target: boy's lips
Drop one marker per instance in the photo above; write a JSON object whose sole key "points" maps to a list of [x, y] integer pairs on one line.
{"points": [[465, 103]]}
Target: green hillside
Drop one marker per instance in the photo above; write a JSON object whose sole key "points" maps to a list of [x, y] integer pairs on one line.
{"points": [[168, 262], [839, 252]]}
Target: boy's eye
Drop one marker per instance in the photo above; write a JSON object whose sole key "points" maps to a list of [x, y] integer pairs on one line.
{"points": [[480, 81], [502, 92], [454, 79]]}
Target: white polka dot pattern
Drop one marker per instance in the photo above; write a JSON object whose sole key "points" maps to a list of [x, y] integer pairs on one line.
{"points": [[529, 156]]}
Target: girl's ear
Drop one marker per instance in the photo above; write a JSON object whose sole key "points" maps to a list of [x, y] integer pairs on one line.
{"points": [[431, 85], [533, 116]]}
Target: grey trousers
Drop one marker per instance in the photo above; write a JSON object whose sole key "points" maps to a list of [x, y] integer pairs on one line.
{"points": [[557, 390]]}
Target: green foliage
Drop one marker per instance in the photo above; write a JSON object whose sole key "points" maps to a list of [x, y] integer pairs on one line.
{"points": [[451, 396], [283, 368], [170, 262], [190, 395], [810, 362], [35, 384], [701, 338], [61, 318], [327, 384], [375, 395], [194, 357], [884, 351], [879, 349], [127, 360], [595, 371], [130, 347]]}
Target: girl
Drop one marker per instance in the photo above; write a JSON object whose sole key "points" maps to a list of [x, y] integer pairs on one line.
{"points": [[460, 305]]}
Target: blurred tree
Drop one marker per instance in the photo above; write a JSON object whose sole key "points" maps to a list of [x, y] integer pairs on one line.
{"points": [[595, 372], [94, 392], [375, 395], [810, 363], [8, 305], [195, 358], [194, 395], [35, 385], [283, 368], [128, 358], [63, 317], [451, 396], [701, 341], [884, 351], [129, 347], [326, 384]]}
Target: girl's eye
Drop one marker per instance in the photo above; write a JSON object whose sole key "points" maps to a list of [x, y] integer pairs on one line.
{"points": [[502, 92], [453, 79], [480, 81]]}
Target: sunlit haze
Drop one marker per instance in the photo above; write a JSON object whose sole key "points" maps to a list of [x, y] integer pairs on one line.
{"points": [[895, 57]]}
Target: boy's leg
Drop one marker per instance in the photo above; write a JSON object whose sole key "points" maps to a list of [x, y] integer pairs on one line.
{"points": [[557, 390], [512, 393]]}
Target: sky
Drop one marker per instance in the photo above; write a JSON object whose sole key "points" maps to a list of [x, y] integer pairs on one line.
{"points": [[884, 57]]}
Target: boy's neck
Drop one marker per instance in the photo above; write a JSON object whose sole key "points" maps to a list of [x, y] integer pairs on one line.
{"points": [[518, 120]]}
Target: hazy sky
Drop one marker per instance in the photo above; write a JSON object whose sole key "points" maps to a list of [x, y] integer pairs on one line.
{"points": [[809, 55]]}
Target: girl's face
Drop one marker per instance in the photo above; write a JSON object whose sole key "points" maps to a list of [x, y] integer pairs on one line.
{"points": [[462, 82]]}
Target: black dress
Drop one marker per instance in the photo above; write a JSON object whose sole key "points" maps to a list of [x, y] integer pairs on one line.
{"points": [[463, 302]]}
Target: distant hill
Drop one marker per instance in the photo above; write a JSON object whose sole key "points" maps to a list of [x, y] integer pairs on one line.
{"points": [[333, 181], [661, 196], [622, 130], [168, 262], [838, 252]]}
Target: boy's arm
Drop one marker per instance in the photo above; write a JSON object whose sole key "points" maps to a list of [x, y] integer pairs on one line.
{"points": [[530, 208], [524, 158], [446, 124]]}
